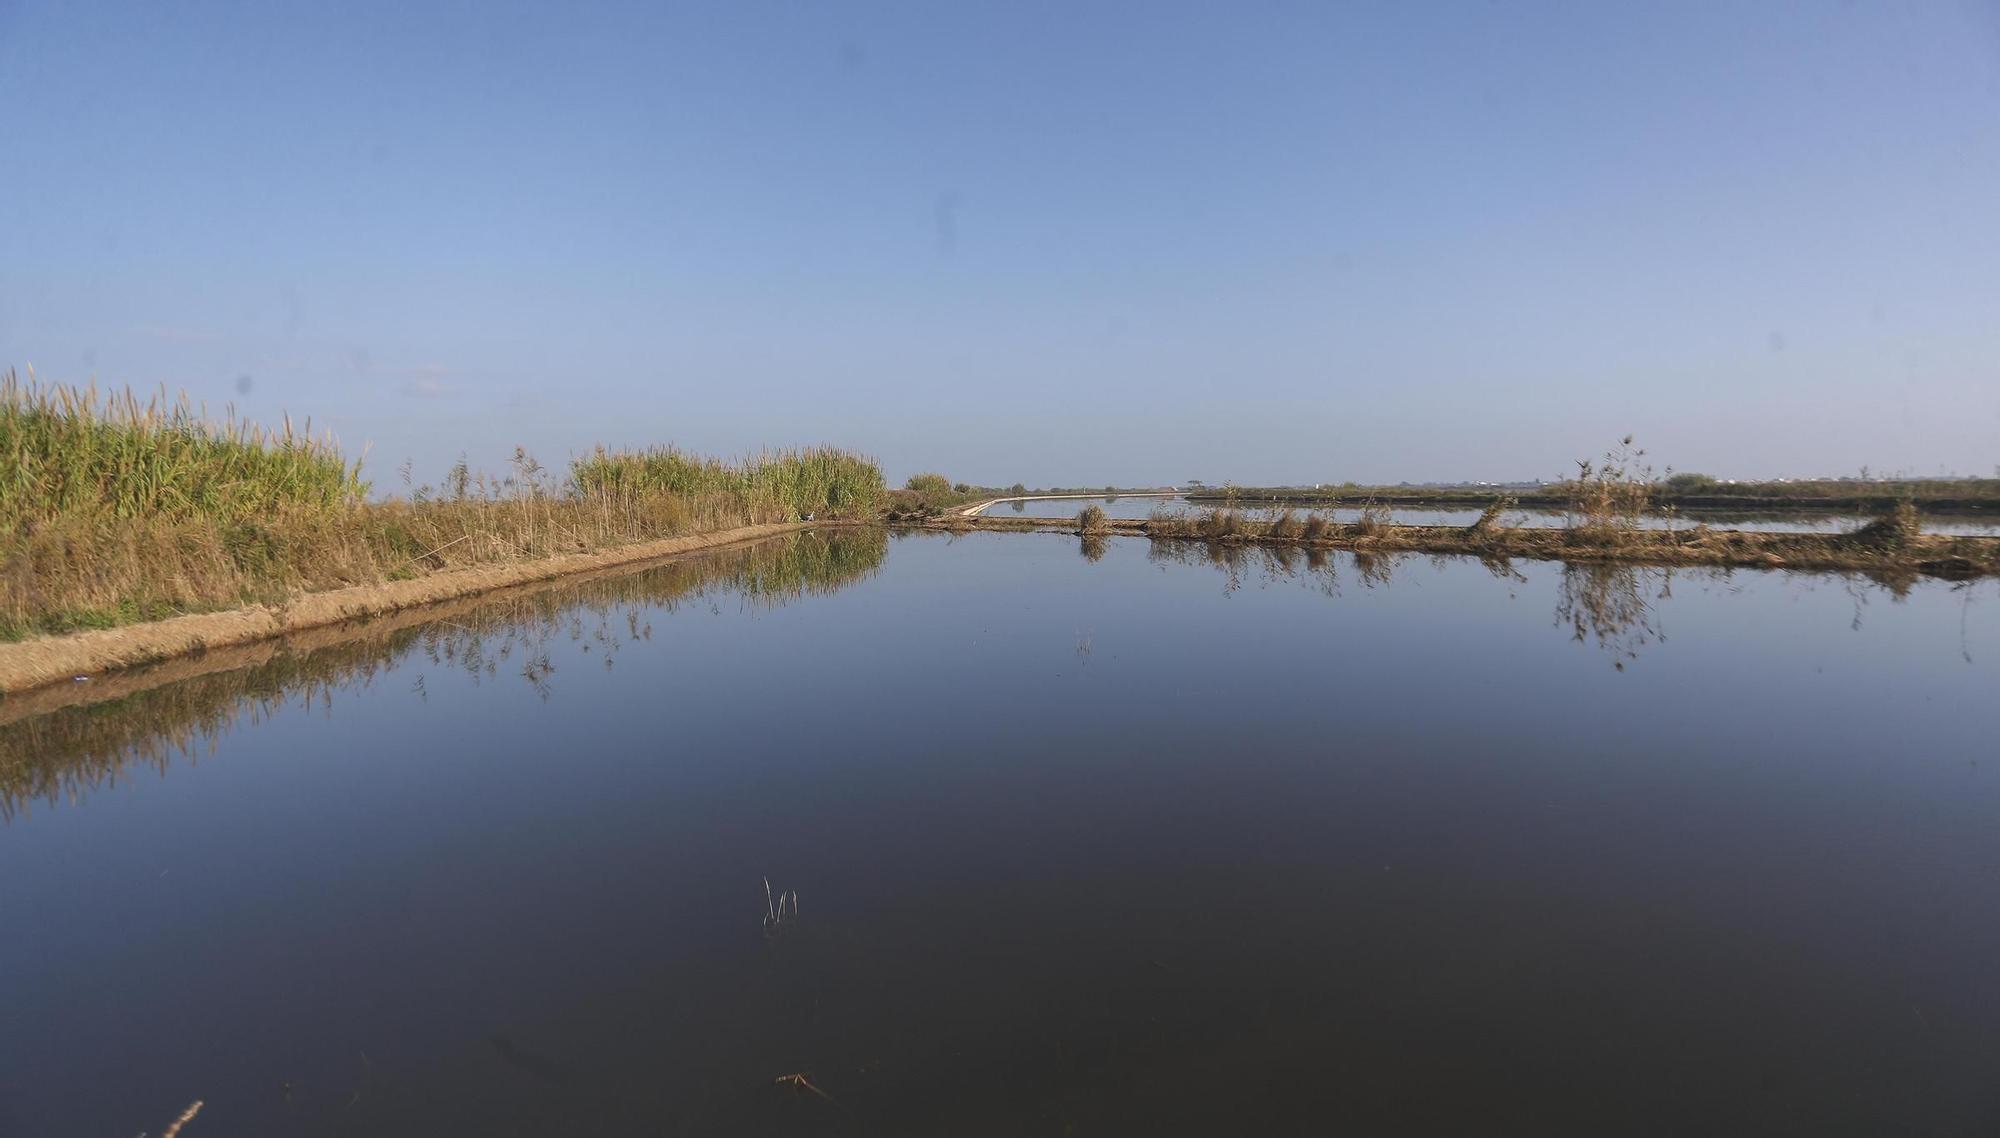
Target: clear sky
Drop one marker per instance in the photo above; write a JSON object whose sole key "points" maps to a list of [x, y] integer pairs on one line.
{"points": [[1064, 243]]}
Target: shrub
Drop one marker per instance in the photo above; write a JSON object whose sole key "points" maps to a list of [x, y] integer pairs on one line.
{"points": [[1609, 497], [1218, 524], [929, 483]]}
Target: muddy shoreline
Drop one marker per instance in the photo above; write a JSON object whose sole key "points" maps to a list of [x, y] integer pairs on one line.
{"points": [[1949, 557], [1695, 504]]}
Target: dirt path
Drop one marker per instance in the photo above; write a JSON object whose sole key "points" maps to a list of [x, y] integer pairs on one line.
{"points": [[36, 663], [977, 508]]}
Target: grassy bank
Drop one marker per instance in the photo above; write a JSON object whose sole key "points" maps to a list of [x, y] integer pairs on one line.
{"points": [[121, 510]]}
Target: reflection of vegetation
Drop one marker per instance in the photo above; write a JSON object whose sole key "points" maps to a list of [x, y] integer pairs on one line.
{"points": [[1605, 601], [50, 752], [1613, 604], [1313, 566], [1092, 547]]}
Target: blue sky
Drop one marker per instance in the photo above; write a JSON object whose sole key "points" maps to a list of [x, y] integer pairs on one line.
{"points": [[1062, 243]]}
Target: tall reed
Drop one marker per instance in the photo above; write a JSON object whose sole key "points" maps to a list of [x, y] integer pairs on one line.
{"points": [[69, 451], [813, 480]]}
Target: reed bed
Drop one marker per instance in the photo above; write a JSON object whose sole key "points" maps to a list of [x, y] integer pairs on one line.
{"points": [[122, 510], [813, 480], [74, 451]]}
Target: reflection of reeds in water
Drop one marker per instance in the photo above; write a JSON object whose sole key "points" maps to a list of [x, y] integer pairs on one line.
{"points": [[67, 751], [1612, 604]]}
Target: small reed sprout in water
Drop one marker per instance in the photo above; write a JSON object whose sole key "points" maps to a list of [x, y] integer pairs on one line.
{"points": [[780, 911]]}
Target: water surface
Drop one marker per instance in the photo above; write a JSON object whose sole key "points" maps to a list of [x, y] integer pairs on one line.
{"points": [[1091, 838]]}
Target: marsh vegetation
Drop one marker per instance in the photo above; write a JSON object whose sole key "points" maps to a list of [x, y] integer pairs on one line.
{"points": [[121, 509]]}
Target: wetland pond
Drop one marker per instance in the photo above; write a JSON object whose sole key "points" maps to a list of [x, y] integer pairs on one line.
{"points": [[1802, 520], [1089, 838]]}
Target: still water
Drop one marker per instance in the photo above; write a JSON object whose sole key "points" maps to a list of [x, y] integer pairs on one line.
{"points": [[1098, 839], [1793, 521]]}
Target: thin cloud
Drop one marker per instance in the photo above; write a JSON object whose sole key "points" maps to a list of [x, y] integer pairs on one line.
{"points": [[429, 386]]}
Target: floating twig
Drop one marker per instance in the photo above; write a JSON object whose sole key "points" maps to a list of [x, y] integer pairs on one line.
{"points": [[798, 1079], [186, 1117]]}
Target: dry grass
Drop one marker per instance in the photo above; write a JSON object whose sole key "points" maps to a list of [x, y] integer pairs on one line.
{"points": [[1893, 530], [1489, 518], [1091, 521]]}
